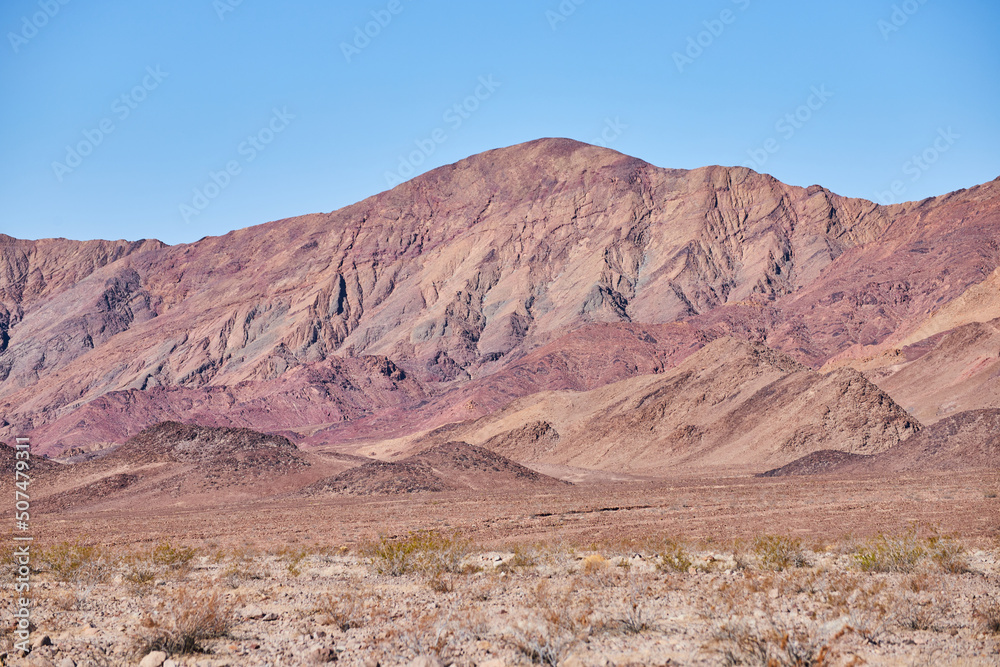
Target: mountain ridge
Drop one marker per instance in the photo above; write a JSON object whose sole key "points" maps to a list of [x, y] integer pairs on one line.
{"points": [[461, 274]]}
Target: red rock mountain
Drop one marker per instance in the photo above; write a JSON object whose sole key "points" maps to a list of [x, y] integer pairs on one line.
{"points": [[546, 266]]}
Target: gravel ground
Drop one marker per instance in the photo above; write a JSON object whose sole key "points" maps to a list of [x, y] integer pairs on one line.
{"points": [[663, 603]]}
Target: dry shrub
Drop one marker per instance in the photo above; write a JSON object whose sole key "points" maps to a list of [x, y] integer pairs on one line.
{"points": [[523, 558], [769, 644], [594, 563], [674, 556], [918, 612], [80, 565], [633, 619], [560, 621], [987, 615], [949, 554], [164, 560], [292, 558], [77, 562], [776, 552], [184, 619], [349, 608], [239, 565], [866, 603], [921, 582]]}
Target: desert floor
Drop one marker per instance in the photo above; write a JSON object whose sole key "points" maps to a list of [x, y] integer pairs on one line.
{"points": [[694, 571]]}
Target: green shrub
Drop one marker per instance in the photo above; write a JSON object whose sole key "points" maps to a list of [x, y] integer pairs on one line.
{"points": [[674, 556], [887, 553], [423, 552]]}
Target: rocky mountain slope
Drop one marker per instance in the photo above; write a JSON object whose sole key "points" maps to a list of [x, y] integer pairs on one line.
{"points": [[546, 266], [731, 405]]}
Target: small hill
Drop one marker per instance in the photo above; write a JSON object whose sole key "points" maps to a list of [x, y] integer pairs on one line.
{"points": [[965, 441], [818, 463], [452, 466], [236, 450], [170, 461]]}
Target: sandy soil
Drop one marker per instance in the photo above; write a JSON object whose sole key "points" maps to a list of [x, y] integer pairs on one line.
{"points": [[579, 573]]}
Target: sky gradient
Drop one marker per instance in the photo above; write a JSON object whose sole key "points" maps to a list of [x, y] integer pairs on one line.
{"points": [[181, 120]]}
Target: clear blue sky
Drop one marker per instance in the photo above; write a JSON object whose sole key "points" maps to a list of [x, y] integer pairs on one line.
{"points": [[199, 80]]}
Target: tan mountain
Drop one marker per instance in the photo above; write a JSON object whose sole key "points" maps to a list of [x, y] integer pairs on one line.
{"points": [[546, 266], [733, 405]]}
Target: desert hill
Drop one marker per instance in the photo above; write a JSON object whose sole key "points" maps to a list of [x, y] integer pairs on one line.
{"points": [[448, 467], [965, 441], [546, 266], [732, 405], [172, 463], [37, 465]]}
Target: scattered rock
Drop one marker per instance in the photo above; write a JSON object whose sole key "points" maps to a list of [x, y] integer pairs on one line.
{"points": [[251, 612], [322, 655], [153, 659], [425, 661]]}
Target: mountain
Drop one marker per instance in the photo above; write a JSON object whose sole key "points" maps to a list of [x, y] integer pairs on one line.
{"points": [[546, 266]]}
